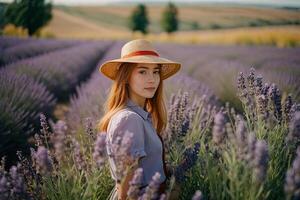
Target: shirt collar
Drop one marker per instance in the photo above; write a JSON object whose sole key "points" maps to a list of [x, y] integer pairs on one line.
{"points": [[139, 110]]}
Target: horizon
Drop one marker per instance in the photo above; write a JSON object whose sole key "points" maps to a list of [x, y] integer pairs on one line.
{"points": [[290, 3]]}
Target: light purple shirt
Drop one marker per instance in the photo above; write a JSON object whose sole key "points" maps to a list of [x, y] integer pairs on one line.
{"points": [[146, 144]]}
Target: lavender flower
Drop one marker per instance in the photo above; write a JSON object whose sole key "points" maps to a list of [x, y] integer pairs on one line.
{"points": [[287, 108], [275, 101], [45, 134], [59, 139], [118, 148], [265, 89], [294, 128], [88, 127], [218, 131], [135, 183], [242, 89], [152, 188], [258, 85], [190, 159], [260, 162], [43, 161], [198, 195], [80, 162], [99, 149], [292, 181], [4, 187], [178, 120], [17, 183], [163, 196], [251, 81], [241, 82], [262, 105]]}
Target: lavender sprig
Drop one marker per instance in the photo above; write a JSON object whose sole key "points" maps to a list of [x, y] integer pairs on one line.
{"points": [[44, 164], [99, 149], [152, 188], [134, 185], [292, 182]]}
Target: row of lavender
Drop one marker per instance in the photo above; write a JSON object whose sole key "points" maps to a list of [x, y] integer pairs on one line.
{"points": [[213, 152], [217, 66], [31, 86], [14, 49], [198, 128]]}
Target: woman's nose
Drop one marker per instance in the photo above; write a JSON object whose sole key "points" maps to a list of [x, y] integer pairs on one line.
{"points": [[151, 76]]}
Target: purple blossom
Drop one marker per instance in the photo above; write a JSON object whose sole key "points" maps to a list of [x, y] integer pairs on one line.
{"points": [[190, 159], [198, 195], [89, 127], [287, 108], [45, 134], [4, 187], [251, 81], [43, 161], [294, 128], [80, 162], [275, 101], [120, 151], [262, 107], [218, 131], [292, 181], [152, 188], [59, 139], [100, 149], [163, 197], [260, 162], [17, 183], [134, 185], [258, 85]]}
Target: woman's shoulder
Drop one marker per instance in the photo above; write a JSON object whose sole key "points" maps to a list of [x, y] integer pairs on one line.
{"points": [[125, 114]]}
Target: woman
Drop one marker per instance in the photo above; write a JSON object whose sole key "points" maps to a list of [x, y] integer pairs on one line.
{"points": [[135, 104]]}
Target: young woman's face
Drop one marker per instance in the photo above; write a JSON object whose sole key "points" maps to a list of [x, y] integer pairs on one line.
{"points": [[144, 81]]}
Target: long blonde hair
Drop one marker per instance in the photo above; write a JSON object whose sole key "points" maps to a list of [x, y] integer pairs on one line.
{"points": [[119, 95]]}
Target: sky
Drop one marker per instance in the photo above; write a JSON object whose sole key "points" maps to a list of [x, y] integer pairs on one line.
{"points": [[293, 3]]}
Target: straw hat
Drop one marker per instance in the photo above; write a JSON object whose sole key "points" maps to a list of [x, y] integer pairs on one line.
{"points": [[139, 51]]}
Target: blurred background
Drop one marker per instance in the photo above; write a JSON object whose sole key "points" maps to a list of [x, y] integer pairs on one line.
{"points": [[50, 52], [272, 22]]}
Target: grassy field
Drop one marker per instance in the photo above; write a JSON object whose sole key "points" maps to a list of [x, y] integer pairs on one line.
{"points": [[207, 17], [66, 25]]}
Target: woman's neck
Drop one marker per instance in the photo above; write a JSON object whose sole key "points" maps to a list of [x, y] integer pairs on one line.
{"points": [[139, 101]]}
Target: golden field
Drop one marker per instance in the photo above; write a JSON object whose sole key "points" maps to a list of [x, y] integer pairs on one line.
{"points": [[67, 23]]}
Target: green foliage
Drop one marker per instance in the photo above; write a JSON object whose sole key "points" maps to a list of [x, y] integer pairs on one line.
{"points": [[138, 20], [169, 21], [2, 8], [29, 14]]}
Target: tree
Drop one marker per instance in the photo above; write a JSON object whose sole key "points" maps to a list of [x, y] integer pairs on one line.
{"points": [[29, 14], [138, 20], [169, 21]]}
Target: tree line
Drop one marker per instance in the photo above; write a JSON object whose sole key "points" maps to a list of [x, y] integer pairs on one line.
{"points": [[138, 20], [33, 15]]}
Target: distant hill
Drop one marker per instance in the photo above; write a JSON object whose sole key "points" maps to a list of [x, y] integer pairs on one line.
{"points": [[192, 17]]}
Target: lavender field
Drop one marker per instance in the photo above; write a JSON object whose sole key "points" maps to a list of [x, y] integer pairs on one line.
{"points": [[233, 122]]}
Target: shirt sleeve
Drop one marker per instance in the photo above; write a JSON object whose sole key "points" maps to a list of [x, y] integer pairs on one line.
{"points": [[131, 122]]}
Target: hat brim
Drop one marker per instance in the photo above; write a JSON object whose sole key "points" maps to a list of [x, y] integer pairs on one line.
{"points": [[169, 67]]}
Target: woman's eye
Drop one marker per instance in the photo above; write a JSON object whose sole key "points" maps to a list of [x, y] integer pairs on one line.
{"points": [[157, 72], [142, 72]]}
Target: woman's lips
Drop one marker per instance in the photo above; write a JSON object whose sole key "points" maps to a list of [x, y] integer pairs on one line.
{"points": [[150, 89]]}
